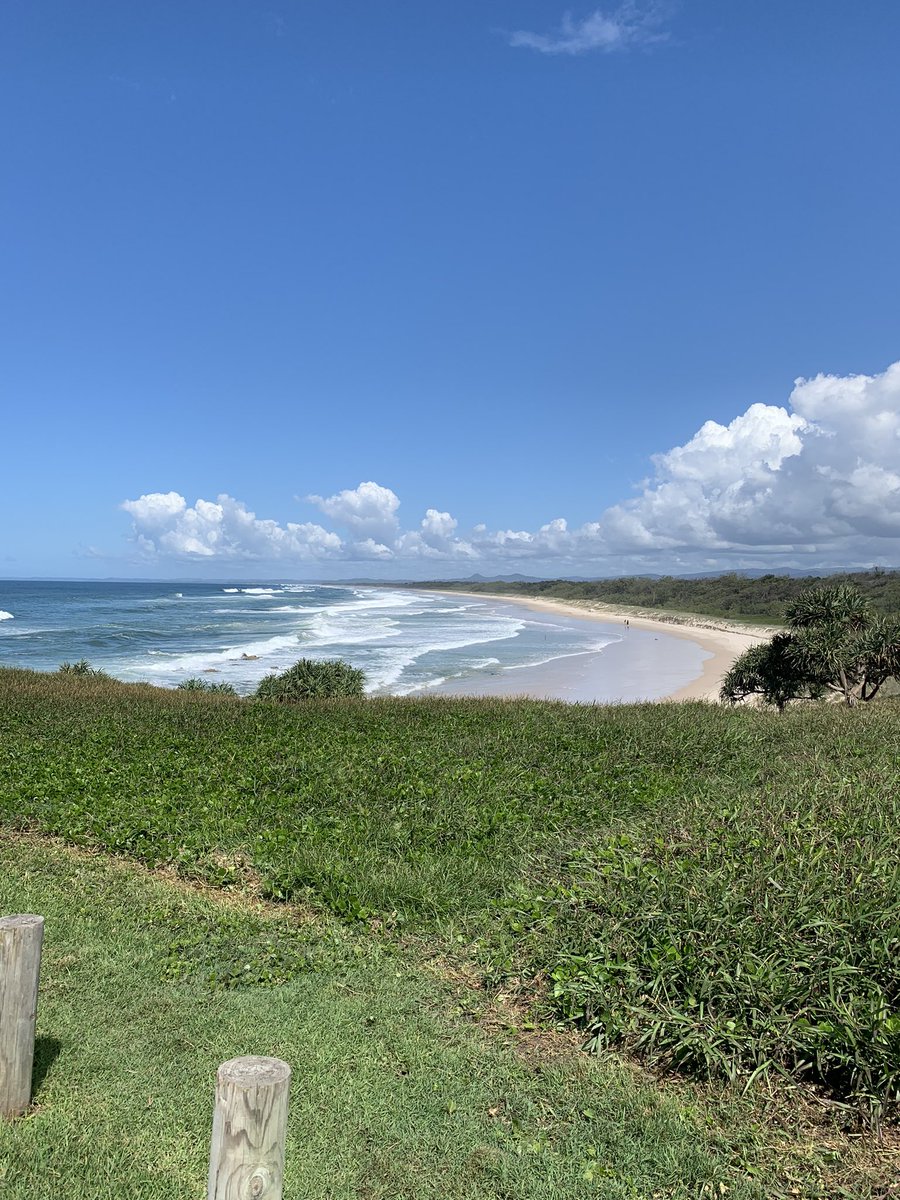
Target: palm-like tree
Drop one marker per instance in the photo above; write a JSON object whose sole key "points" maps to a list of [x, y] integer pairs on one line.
{"points": [[768, 671], [834, 644]]}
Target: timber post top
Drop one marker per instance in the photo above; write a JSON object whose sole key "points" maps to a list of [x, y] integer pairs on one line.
{"points": [[20, 921], [254, 1070]]}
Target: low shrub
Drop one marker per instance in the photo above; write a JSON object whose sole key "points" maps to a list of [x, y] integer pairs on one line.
{"points": [[724, 940], [311, 679], [82, 667], [203, 685]]}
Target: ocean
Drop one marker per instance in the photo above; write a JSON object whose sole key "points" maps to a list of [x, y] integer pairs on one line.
{"points": [[407, 642]]}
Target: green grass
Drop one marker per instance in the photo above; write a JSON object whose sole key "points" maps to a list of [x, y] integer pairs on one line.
{"points": [[714, 890], [145, 990]]}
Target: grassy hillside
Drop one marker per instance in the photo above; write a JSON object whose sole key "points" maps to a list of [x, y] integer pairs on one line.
{"points": [[714, 890], [145, 990], [732, 596]]}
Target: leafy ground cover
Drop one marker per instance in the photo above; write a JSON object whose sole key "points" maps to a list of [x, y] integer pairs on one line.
{"points": [[714, 890], [146, 987]]}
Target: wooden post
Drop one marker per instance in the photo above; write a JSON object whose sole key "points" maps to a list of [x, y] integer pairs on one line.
{"points": [[246, 1158], [20, 964]]}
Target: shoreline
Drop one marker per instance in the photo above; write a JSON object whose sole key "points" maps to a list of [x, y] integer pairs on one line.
{"points": [[721, 641]]}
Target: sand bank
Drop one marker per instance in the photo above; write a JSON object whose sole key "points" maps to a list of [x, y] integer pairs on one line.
{"points": [[647, 667]]}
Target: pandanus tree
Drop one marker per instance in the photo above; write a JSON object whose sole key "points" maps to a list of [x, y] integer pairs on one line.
{"points": [[834, 645], [311, 679], [769, 671]]}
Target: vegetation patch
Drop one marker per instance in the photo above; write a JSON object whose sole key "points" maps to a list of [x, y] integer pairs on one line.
{"points": [[735, 596], [835, 646], [195, 684], [714, 889], [392, 1099], [233, 949], [311, 679]]}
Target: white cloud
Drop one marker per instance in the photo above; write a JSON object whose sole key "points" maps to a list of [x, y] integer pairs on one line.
{"points": [[815, 482], [628, 25], [819, 478], [369, 549], [157, 509], [369, 510], [164, 525], [435, 538], [438, 525]]}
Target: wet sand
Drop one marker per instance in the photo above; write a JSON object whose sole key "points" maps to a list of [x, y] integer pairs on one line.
{"points": [[658, 657]]}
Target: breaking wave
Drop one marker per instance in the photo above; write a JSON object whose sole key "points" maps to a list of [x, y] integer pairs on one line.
{"points": [[406, 642]]}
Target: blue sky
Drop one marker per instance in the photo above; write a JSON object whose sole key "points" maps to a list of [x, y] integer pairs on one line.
{"points": [[499, 262]]}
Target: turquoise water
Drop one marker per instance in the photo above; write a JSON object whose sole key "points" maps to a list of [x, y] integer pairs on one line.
{"points": [[166, 632]]}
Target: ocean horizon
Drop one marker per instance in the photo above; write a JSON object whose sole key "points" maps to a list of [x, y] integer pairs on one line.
{"points": [[408, 642]]}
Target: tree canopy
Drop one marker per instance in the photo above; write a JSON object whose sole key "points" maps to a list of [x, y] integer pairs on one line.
{"points": [[835, 645]]}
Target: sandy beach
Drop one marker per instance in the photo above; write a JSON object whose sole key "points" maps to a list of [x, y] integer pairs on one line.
{"points": [[650, 665]]}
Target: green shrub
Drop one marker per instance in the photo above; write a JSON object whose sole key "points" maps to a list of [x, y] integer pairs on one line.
{"points": [[312, 679], [724, 939], [82, 667], [202, 685]]}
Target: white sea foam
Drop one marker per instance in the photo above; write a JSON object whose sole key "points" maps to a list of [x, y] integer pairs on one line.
{"points": [[256, 613], [469, 669], [380, 599], [371, 629], [398, 661], [5, 616], [420, 687], [540, 662], [361, 605], [231, 589], [206, 660], [328, 629], [261, 591]]}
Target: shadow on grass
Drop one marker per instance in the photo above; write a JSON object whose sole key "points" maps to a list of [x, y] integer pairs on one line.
{"points": [[46, 1052]]}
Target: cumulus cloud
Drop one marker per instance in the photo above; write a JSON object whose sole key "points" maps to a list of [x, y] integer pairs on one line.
{"points": [[164, 524], [629, 25], [818, 476], [156, 510], [813, 482], [435, 538], [368, 510]]}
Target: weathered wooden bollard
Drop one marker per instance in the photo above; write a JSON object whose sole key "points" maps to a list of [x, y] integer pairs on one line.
{"points": [[246, 1158], [21, 938]]}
